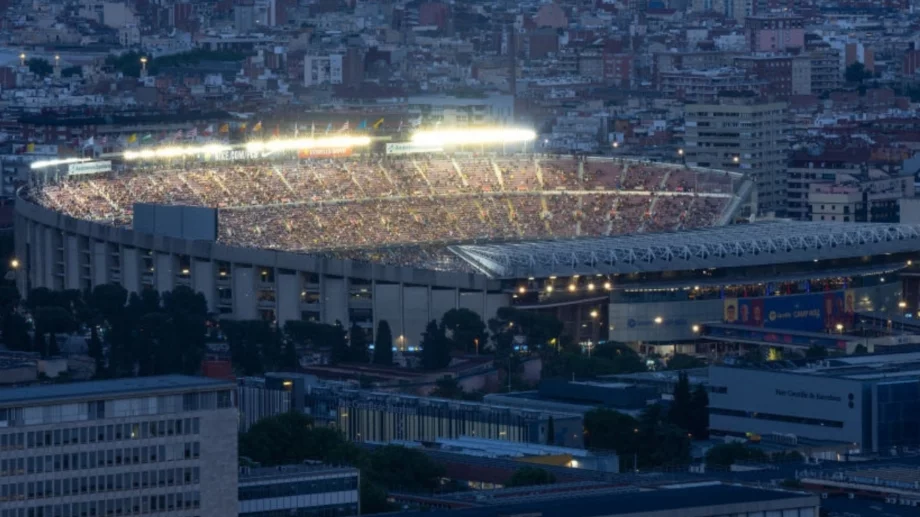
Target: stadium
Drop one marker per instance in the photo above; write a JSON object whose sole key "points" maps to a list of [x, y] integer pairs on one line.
{"points": [[348, 231]]}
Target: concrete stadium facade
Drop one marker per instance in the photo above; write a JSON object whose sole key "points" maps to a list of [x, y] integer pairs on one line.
{"points": [[62, 252]]}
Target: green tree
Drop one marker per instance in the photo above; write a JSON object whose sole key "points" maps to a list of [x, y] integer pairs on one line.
{"points": [[816, 352], [857, 73], [401, 468], [536, 328], [357, 344], [530, 476], [467, 330], [16, 332], [435, 348], [611, 430], [50, 321], [188, 314], [249, 342], [685, 362], [71, 71], [725, 455], [699, 416], [39, 66], [860, 350], [338, 342], [383, 344], [681, 410], [447, 387], [94, 350]]}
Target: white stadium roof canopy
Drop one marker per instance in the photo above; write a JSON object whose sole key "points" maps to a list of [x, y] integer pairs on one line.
{"points": [[756, 244]]}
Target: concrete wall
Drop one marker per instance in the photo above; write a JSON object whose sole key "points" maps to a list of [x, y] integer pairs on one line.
{"points": [[406, 297]]}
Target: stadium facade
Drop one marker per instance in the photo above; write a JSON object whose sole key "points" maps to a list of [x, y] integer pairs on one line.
{"points": [[628, 251]]}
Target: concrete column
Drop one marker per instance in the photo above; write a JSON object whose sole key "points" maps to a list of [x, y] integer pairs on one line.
{"points": [[165, 272], [71, 262], [100, 269], [244, 296], [130, 270], [203, 272], [287, 298]]}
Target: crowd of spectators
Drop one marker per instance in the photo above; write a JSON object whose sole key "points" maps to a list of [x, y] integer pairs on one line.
{"points": [[349, 206]]}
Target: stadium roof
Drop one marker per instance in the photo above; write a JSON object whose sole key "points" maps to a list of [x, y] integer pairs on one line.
{"points": [[756, 244], [108, 389]]}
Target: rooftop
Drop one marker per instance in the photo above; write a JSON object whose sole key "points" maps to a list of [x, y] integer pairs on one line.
{"points": [[755, 244], [254, 474], [667, 500], [863, 367], [107, 389]]}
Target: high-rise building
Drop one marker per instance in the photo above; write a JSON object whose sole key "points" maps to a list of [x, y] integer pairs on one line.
{"points": [[154, 445], [745, 134]]}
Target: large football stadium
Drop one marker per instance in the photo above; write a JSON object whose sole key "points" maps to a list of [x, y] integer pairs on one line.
{"points": [[403, 233]]}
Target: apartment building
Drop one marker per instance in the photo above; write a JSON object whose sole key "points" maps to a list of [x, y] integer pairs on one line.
{"points": [[743, 134], [155, 445], [816, 166]]}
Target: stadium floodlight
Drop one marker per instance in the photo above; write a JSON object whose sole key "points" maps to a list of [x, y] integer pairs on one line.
{"points": [[296, 144], [43, 164], [175, 152], [473, 136]]}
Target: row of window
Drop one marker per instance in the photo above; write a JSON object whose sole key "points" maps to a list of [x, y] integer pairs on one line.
{"points": [[99, 459], [789, 419], [336, 510], [97, 484], [99, 433], [124, 506], [311, 486]]}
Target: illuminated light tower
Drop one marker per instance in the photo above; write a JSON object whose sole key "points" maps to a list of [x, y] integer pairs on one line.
{"points": [[22, 59], [143, 67], [57, 66]]}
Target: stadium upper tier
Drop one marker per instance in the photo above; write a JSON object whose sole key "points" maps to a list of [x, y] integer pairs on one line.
{"points": [[371, 203]]}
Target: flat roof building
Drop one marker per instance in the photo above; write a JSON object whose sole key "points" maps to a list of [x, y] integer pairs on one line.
{"points": [[164, 445], [871, 402], [298, 491]]}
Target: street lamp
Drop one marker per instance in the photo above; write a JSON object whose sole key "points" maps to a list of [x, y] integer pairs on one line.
{"points": [[594, 314], [22, 59], [616, 145], [658, 320], [840, 328], [143, 64], [695, 329], [736, 159], [14, 264], [680, 152]]}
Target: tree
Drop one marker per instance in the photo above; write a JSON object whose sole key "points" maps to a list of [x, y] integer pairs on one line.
{"points": [[857, 73], [611, 430], [816, 352], [39, 66], [435, 348], [383, 344], [71, 71], [94, 350], [530, 476], [537, 329], [188, 312], [357, 344], [467, 330], [447, 387], [860, 350], [338, 342], [51, 320], [699, 415], [16, 332], [685, 362], [400, 468], [726, 455], [681, 411]]}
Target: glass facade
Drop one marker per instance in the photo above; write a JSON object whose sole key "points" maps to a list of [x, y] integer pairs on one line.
{"points": [[898, 417]]}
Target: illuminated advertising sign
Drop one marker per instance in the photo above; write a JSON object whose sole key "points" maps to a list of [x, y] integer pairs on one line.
{"points": [[816, 312], [412, 147], [79, 169], [324, 152]]}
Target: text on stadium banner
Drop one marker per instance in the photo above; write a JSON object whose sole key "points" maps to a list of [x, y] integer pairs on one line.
{"points": [[410, 147], [325, 152], [78, 169]]}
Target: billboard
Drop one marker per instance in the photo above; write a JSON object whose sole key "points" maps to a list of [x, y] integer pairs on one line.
{"points": [[409, 148], [813, 312], [325, 152], [79, 169]]}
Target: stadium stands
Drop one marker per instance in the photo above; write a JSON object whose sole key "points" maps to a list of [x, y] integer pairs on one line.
{"points": [[354, 208]]}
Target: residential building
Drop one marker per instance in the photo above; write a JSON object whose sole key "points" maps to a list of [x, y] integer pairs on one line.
{"points": [[820, 166], [165, 445], [775, 32], [299, 491], [775, 69], [368, 416], [322, 69], [825, 70], [463, 111], [744, 134], [707, 85], [874, 200]]}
